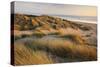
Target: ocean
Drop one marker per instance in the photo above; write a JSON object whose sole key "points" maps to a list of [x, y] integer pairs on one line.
{"points": [[85, 19]]}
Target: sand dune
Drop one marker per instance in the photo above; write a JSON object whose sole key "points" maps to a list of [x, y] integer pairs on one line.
{"points": [[46, 39]]}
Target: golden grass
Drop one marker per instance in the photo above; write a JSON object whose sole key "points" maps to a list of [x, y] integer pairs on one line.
{"points": [[23, 56], [72, 34], [35, 51], [65, 48], [70, 31], [38, 34], [74, 38]]}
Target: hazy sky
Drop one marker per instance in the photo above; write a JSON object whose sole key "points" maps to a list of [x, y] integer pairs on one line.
{"points": [[55, 9]]}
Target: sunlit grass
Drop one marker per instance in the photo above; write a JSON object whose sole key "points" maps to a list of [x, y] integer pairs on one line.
{"points": [[69, 46], [24, 55], [64, 48]]}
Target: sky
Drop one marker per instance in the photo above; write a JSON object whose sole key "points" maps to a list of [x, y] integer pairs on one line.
{"points": [[55, 9]]}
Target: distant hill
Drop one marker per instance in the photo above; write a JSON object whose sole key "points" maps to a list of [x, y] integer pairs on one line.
{"points": [[32, 22]]}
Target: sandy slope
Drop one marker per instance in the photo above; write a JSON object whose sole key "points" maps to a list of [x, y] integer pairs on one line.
{"points": [[53, 39]]}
